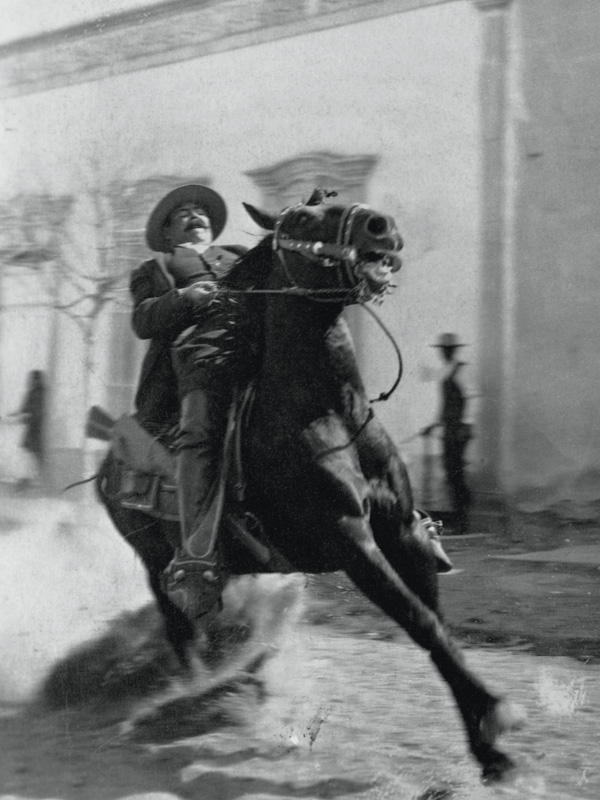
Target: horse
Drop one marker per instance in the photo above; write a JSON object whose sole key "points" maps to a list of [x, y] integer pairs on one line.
{"points": [[323, 477]]}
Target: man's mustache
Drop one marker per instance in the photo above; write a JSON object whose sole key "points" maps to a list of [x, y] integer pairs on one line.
{"points": [[196, 224]]}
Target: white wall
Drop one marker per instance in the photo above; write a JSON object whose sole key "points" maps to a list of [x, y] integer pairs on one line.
{"points": [[555, 113]]}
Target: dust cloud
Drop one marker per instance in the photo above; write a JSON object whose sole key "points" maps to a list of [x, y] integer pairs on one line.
{"points": [[64, 574]]}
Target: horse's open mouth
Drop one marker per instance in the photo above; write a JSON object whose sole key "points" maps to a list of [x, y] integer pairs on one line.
{"points": [[376, 267]]}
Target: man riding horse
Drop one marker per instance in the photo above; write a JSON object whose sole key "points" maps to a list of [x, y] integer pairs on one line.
{"points": [[194, 362], [323, 477], [175, 293]]}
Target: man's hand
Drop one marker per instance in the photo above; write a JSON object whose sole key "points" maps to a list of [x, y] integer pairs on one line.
{"points": [[201, 293]]}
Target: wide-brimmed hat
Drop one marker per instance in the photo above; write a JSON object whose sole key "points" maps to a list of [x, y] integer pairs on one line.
{"points": [[448, 340], [208, 199]]}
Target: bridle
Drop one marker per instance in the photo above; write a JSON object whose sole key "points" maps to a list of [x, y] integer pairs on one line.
{"points": [[341, 256]]}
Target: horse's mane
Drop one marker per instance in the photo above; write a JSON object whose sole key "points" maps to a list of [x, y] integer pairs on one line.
{"points": [[252, 269], [250, 272]]}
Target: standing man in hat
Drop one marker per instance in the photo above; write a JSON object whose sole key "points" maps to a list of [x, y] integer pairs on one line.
{"points": [[456, 432], [189, 369]]}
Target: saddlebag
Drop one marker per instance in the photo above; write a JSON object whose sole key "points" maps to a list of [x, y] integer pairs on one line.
{"points": [[143, 469], [152, 494], [144, 466]]}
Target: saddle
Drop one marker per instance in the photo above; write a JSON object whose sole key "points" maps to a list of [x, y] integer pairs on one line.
{"points": [[144, 477], [144, 464]]}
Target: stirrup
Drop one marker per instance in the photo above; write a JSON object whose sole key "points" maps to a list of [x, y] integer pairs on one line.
{"points": [[434, 529], [194, 585]]}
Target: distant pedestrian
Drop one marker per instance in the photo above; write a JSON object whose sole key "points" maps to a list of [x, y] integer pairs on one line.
{"points": [[456, 431], [33, 416]]}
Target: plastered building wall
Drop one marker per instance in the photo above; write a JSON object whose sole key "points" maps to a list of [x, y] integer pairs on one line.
{"points": [[402, 88], [552, 396]]}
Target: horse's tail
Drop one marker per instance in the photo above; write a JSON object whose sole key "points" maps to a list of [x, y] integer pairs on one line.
{"points": [[80, 483], [98, 477], [99, 425]]}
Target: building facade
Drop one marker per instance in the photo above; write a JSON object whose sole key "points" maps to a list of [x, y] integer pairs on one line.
{"points": [[470, 121]]}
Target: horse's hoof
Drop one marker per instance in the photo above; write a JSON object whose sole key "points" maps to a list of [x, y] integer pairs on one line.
{"points": [[497, 768], [500, 718], [440, 791]]}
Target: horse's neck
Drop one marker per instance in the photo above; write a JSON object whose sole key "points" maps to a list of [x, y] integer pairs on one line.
{"points": [[296, 332], [309, 357]]}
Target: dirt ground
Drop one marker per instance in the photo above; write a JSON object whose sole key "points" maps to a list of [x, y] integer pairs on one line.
{"points": [[75, 751], [492, 597]]}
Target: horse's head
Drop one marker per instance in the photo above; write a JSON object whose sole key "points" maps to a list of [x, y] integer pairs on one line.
{"points": [[335, 252]]}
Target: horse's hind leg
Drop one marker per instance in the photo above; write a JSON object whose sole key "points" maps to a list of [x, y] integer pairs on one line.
{"points": [[485, 716]]}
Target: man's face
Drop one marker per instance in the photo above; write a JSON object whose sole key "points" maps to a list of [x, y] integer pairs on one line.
{"points": [[189, 224], [447, 353]]}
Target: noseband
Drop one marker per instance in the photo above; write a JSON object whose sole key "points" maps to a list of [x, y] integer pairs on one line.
{"points": [[341, 256]]}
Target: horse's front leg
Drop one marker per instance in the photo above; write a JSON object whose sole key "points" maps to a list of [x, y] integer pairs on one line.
{"points": [[485, 715], [409, 544], [406, 545]]}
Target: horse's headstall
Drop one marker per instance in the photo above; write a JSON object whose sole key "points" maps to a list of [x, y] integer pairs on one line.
{"points": [[329, 254], [341, 255]]}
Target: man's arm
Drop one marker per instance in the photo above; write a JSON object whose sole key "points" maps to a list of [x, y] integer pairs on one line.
{"points": [[159, 313]]}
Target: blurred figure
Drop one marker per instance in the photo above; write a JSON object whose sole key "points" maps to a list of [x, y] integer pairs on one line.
{"points": [[456, 432], [32, 415]]}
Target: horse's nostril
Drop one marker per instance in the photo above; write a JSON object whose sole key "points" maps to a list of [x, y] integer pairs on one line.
{"points": [[377, 226]]}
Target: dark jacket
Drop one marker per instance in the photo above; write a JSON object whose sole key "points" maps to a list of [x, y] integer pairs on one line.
{"points": [[161, 313]]}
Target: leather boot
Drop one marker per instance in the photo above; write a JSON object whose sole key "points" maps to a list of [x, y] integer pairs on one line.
{"points": [[193, 579], [200, 501]]}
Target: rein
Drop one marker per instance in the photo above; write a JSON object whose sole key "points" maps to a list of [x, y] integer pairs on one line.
{"points": [[383, 396], [297, 290], [289, 290], [386, 395]]}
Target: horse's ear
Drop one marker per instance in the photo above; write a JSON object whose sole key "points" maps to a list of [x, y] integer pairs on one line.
{"points": [[262, 218]]}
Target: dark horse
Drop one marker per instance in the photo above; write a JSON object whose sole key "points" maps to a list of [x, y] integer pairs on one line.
{"points": [[322, 474]]}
